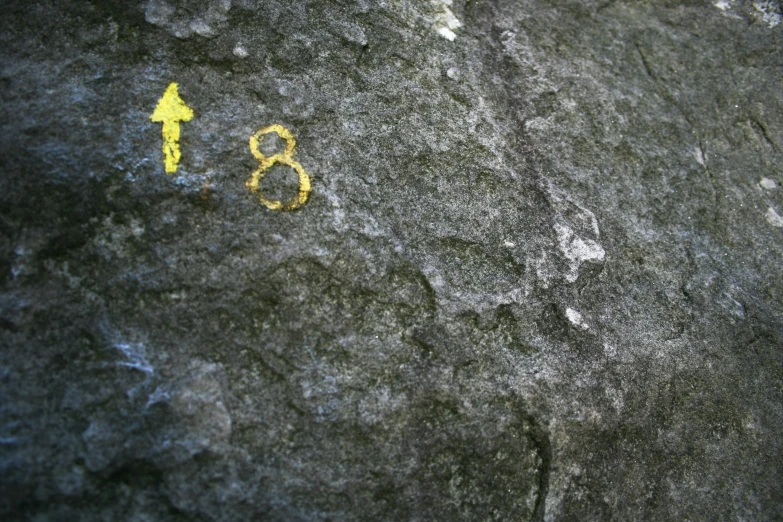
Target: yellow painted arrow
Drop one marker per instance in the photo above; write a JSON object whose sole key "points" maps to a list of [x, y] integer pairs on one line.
{"points": [[171, 110]]}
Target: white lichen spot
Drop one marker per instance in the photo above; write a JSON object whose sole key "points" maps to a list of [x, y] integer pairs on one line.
{"points": [[774, 218], [509, 244], [576, 319], [769, 184], [577, 250], [240, 52], [445, 21]]}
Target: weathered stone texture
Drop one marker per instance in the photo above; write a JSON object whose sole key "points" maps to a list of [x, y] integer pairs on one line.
{"points": [[538, 277]]}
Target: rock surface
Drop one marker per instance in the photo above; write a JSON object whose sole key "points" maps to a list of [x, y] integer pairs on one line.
{"points": [[538, 276]]}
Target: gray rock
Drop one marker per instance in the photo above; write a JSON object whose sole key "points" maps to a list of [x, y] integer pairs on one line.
{"points": [[537, 278]]}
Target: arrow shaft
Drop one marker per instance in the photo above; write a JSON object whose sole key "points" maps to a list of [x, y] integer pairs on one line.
{"points": [[169, 111], [171, 152]]}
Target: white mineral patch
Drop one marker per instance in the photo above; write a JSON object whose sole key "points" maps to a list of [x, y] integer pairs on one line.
{"points": [[577, 250], [202, 28], [726, 7], [204, 20], [616, 397], [774, 218], [723, 4], [197, 401], [770, 12], [446, 22], [447, 33], [240, 52], [769, 184], [158, 12], [135, 355], [351, 32], [544, 268], [576, 318], [158, 396], [699, 155]]}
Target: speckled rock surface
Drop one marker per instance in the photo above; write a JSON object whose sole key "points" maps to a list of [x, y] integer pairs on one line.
{"points": [[538, 276]]}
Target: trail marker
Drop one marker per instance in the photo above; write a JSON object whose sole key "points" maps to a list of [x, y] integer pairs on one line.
{"points": [[171, 110]]}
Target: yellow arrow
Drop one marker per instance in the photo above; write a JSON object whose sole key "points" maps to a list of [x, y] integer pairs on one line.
{"points": [[171, 110]]}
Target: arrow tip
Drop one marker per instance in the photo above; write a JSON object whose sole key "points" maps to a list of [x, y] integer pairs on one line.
{"points": [[171, 107]]}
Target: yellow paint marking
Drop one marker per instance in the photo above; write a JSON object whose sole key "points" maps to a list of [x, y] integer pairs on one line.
{"points": [[171, 110], [284, 158]]}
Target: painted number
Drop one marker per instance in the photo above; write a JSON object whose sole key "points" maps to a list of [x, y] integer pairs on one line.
{"points": [[171, 110], [283, 158]]}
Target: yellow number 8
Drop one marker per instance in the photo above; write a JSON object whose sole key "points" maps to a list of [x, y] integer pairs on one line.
{"points": [[284, 158]]}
